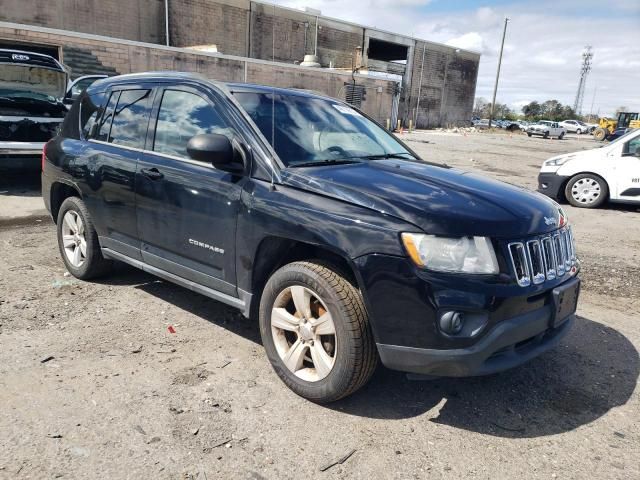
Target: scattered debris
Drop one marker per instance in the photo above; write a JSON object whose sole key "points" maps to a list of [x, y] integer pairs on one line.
{"points": [[153, 440], [47, 359], [20, 267], [176, 411], [219, 444], [139, 429], [339, 461], [173, 350], [225, 364], [508, 429], [619, 434], [195, 431], [54, 435], [171, 329], [137, 350]]}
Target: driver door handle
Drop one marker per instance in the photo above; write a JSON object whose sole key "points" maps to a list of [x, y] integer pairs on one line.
{"points": [[152, 173]]}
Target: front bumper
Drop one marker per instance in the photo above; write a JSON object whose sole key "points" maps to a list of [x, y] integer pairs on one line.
{"points": [[20, 155], [551, 184], [405, 303], [511, 343]]}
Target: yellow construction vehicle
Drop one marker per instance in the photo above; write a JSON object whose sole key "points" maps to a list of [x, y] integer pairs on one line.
{"points": [[608, 125]]}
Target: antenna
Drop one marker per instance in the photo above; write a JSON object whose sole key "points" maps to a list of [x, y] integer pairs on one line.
{"points": [[587, 57]]}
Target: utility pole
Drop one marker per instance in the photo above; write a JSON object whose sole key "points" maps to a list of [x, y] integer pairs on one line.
{"points": [[495, 87], [587, 56], [166, 23]]}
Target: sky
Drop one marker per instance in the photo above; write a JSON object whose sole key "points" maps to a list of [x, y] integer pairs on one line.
{"points": [[543, 47]]}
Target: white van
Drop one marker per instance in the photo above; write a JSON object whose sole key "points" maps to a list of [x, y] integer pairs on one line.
{"points": [[591, 177]]}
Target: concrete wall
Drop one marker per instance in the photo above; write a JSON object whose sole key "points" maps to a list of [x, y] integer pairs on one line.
{"points": [[224, 23], [128, 57], [336, 41], [141, 20], [251, 29], [444, 81]]}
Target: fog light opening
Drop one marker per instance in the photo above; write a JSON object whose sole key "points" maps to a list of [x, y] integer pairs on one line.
{"points": [[451, 323]]}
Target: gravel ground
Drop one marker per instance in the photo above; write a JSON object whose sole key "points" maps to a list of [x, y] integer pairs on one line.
{"points": [[93, 384]]}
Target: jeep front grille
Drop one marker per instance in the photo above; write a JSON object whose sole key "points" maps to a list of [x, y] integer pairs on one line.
{"points": [[545, 258]]}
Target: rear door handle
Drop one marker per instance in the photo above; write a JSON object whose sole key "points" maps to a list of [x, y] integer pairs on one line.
{"points": [[152, 173]]}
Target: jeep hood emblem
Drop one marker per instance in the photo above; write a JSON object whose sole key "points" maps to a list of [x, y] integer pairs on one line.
{"points": [[550, 221]]}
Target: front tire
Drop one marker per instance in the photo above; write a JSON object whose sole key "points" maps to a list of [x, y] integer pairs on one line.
{"points": [[528, 134], [586, 190], [315, 331], [600, 134], [561, 136], [78, 241]]}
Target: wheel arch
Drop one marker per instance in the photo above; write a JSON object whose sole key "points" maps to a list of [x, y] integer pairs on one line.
{"points": [[274, 252], [60, 191]]}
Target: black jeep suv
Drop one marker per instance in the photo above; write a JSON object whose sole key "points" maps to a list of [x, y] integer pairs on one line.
{"points": [[301, 211]]}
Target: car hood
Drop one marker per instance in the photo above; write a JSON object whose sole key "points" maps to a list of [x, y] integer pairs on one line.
{"points": [[437, 199]]}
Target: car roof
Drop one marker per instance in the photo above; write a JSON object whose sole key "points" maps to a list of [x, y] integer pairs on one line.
{"points": [[174, 76]]}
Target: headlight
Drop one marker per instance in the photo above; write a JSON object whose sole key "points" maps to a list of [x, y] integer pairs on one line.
{"points": [[557, 161], [444, 254]]}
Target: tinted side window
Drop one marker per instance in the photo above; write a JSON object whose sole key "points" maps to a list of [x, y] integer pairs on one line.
{"points": [[129, 126], [183, 115], [89, 112], [103, 128]]}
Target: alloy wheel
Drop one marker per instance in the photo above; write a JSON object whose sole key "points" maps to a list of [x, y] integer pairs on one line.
{"points": [[304, 333], [73, 238]]}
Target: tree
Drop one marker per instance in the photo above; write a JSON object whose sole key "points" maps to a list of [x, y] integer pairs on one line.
{"points": [[480, 108], [532, 110]]}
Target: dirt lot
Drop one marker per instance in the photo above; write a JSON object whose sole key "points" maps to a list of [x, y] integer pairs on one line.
{"points": [[93, 385]]}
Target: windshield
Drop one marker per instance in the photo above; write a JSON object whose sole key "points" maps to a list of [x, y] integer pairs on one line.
{"points": [[34, 82], [309, 131]]}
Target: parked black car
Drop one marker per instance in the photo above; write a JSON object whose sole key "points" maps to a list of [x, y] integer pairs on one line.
{"points": [[302, 212], [33, 91]]}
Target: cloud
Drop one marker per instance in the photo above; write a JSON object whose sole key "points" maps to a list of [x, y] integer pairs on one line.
{"points": [[469, 41], [543, 47]]}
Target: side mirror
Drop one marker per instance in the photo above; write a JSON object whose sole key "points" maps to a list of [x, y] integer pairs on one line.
{"points": [[215, 149]]}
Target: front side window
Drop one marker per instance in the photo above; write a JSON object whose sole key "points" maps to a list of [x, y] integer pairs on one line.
{"points": [[632, 147], [130, 119], [183, 115], [305, 130]]}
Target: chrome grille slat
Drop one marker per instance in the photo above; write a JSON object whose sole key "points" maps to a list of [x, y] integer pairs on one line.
{"points": [[543, 258]]}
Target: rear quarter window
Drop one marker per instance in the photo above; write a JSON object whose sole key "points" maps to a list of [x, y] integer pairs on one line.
{"points": [[90, 109]]}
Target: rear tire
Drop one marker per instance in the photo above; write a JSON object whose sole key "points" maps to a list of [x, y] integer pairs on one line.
{"points": [[319, 362], [579, 132], [78, 241], [586, 190], [528, 134]]}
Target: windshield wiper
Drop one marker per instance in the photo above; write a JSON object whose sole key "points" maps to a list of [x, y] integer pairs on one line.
{"points": [[329, 161], [386, 156]]}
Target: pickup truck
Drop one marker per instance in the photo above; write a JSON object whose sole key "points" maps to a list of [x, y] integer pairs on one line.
{"points": [[546, 129], [299, 210]]}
